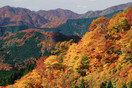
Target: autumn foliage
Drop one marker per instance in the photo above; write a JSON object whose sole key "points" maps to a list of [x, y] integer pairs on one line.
{"points": [[103, 58]]}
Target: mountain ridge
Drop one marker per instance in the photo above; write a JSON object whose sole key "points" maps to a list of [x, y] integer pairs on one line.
{"points": [[11, 16], [14, 16]]}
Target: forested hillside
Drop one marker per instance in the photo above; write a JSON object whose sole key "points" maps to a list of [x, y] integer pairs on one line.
{"points": [[21, 46], [76, 27], [101, 59], [19, 50]]}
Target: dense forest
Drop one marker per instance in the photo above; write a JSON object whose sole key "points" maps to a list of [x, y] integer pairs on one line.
{"points": [[101, 59], [76, 27], [9, 77]]}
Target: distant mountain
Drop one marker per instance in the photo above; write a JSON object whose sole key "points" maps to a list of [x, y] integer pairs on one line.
{"points": [[57, 13], [57, 16], [10, 16], [76, 27], [107, 11]]}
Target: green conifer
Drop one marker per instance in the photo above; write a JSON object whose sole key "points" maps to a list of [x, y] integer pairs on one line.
{"points": [[124, 85], [109, 85], [130, 85], [82, 85]]}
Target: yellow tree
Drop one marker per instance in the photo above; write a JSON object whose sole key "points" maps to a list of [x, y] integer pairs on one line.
{"points": [[117, 25]]}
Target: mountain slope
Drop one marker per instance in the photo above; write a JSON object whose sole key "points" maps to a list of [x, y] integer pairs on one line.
{"points": [[76, 27], [101, 59], [19, 49], [71, 26], [9, 30]]}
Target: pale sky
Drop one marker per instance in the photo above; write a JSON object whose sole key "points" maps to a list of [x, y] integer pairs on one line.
{"points": [[78, 6]]}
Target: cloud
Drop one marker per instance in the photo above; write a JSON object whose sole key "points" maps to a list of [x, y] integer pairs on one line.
{"points": [[91, 0], [82, 6], [18, 0]]}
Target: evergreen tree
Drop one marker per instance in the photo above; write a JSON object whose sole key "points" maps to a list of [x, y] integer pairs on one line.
{"points": [[11, 76], [88, 86], [130, 85], [124, 85], [82, 85], [109, 85], [103, 85]]}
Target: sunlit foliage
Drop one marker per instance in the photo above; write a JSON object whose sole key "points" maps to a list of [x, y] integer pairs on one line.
{"points": [[102, 58]]}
